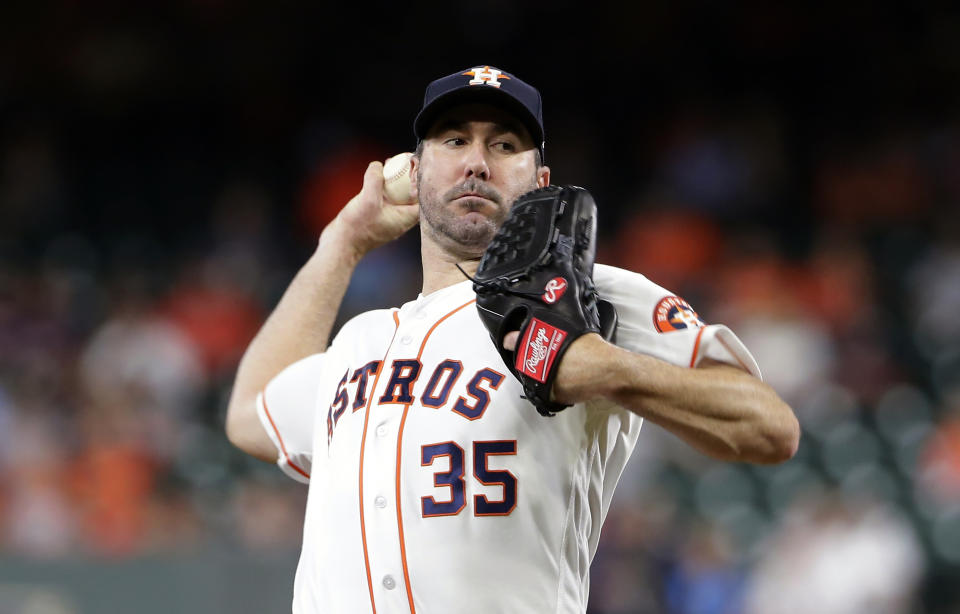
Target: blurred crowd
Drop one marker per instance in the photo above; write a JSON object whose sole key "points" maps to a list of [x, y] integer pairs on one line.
{"points": [[129, 289]]}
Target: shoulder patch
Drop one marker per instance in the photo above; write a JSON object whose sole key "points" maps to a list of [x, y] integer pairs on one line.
{"points": [[674, 313]]}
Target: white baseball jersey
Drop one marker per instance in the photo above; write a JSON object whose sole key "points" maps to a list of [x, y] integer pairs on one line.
{"points": [[433, 486]]}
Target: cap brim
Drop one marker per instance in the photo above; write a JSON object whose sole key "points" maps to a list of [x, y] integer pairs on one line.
{"points": [[488, 95]]}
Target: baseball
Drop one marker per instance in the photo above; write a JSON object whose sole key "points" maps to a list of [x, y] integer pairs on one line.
{"points": [[396, 179]]}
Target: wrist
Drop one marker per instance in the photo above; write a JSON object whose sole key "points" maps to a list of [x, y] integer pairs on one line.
{"points": [[586, 371], [338, 242]]}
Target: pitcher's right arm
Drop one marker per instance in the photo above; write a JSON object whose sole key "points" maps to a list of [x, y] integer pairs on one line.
{"points": [[300, 324]]}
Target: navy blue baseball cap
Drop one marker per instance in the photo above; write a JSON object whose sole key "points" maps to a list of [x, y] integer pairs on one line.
{"points": [[483, 84]]}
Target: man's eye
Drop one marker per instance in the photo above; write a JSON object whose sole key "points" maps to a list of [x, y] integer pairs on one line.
{"points": [[455, 141], [505, 146]]}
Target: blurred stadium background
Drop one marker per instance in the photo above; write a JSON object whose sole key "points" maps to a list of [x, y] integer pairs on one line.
{"points": [[166, 167]]}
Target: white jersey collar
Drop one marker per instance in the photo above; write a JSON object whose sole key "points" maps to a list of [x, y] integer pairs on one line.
{"points": [[443, 299]]}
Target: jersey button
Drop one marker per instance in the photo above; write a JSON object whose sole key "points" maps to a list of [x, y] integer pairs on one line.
{"points": [[389, 583], [381, 431], [380, 501], [406, 339]]}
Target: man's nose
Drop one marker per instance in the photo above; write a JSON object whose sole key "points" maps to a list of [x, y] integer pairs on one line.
{"points": [[475, 164]]}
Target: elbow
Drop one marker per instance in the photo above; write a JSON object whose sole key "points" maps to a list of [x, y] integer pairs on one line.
{"points": [[236, 426], [246, 433], [768, 432], [232, 428], [233, 434], [783, 445], [779, 435]]}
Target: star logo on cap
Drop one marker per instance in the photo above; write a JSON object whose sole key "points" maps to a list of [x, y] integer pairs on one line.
{"points": [[484, 75]]}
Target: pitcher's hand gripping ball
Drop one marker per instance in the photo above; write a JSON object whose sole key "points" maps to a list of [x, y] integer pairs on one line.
{"points": [[396, 181], [536, 277]]}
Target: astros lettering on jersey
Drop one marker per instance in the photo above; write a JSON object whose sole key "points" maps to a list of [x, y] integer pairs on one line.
{"points": [[434, 486]]}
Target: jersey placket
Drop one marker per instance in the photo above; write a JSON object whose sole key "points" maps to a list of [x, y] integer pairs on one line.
{"points": [[381, 465], [381, 468]]}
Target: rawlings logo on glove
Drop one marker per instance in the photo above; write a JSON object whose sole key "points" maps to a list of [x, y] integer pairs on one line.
{"points": [[536, 351], [554, 290]]}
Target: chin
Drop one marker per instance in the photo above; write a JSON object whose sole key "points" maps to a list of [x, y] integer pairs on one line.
{"points": [[473, 236], [479, 239]]}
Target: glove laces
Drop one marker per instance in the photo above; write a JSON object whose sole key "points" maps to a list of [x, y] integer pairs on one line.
{"points": [[496, 285]]}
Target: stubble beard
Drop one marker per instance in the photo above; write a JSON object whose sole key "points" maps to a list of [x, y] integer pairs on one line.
{"points": [[463, 237]]}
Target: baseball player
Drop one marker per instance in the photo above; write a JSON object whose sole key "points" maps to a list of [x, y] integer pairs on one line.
{"points": [[434, 484]]}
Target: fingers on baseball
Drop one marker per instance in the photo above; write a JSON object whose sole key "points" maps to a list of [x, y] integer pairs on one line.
{"points": [[510, 340], [386, 196], [373, 179]]}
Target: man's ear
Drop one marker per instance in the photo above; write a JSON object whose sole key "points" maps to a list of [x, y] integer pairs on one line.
{"points": [[414, 188], [543, 176]]}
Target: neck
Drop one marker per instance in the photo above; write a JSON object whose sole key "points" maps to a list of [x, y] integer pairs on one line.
{"points": [[440, 266]]}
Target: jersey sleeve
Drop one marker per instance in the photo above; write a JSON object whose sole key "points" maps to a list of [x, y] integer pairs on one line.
{"points": [[655, 322], [286, 408]]}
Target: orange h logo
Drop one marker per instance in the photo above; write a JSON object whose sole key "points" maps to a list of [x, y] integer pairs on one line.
{"points": [[484, 75]]}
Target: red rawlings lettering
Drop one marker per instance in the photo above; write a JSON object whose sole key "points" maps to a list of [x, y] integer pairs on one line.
{"points": [[536, 354]]}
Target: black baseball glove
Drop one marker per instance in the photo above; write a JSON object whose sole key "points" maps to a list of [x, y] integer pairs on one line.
{"points": [[536, 277]]}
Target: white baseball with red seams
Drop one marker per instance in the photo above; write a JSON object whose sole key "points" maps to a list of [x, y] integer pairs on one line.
{"points": [[396, 179], [434, 487]]}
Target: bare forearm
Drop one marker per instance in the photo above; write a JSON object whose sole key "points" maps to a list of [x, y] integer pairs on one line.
{"points": [[299, 326], [718, 409]]}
